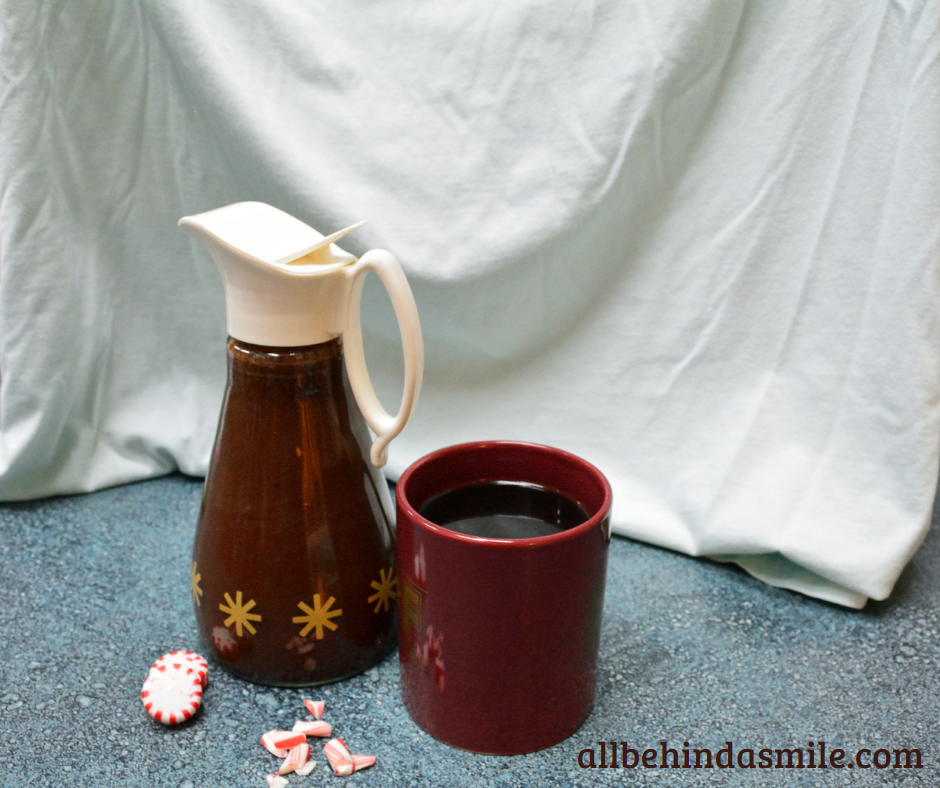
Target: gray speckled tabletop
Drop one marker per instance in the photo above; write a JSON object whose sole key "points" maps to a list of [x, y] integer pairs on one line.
{"points": [[93, 588]]}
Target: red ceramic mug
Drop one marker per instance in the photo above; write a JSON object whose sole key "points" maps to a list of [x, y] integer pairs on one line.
{"points": [[498, 638]]}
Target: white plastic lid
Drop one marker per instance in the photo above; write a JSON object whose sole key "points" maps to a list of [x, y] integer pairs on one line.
{"points": [[276, 271]]}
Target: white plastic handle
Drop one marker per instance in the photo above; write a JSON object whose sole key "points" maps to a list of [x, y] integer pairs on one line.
{"points": [[385, 426]]}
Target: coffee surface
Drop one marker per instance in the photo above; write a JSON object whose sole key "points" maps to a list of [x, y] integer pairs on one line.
{"points": [[504, 510]]}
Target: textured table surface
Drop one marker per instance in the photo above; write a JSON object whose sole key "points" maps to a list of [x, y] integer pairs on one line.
{"points": [[93, 588]]}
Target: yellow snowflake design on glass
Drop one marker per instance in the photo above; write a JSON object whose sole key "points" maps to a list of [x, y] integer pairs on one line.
{"points": [[319, 616], [194, 579], [238, 613], [384, 589]]}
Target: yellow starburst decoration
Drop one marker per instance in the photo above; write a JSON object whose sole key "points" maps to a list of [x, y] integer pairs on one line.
{"points": [[194, 579], [238, 613], [384, 589], [319, 616]]}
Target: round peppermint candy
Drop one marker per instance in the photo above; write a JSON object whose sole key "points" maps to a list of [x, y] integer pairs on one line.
{"points": [[188, 658], [172, 693]]}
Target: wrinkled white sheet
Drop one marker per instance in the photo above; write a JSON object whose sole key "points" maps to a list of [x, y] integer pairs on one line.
{"points": [[694, 242]]}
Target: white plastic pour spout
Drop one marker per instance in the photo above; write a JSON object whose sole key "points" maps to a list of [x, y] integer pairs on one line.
{"points": [[308, 251], [286, 285]]}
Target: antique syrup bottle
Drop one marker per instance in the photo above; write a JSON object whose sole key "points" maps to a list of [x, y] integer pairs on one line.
{"points": [[293, 576]]}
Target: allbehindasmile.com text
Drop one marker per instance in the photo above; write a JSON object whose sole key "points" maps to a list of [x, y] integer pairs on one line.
{"points": [[816, 755]]}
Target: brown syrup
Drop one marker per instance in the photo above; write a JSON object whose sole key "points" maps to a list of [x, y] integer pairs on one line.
{"points": [[292, 517]]}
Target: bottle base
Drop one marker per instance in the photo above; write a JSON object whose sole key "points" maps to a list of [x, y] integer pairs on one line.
{"points": [[270, 680]]}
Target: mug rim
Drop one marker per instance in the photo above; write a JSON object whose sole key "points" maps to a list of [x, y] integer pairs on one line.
{"points": [[574, 532]]}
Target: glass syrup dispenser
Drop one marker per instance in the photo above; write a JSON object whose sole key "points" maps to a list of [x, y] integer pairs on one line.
{"points": [[293, 576]]}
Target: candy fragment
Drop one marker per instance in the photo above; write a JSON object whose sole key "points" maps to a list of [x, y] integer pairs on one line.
{"points": [[297, 757], [268, 743], [171, 693], [274, 781], [339, 757], [343, 768], [362, 762], [313, 727], [293, 747], [304, 770], [315, 707], [284, 740]]}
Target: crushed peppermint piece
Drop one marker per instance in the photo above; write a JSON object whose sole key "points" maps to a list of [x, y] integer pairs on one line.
{"points": [[304, 770], [362, 762], [339, 757], [313, 728], [297, 757], [316, 708], [284, 740], [278, 752]]}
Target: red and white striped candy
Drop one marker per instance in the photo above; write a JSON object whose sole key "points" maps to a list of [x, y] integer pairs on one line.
{"points": [[189, 658], [274, 781], [338, 755], [304, 770], [278, 752], [362, 762], [316, 708], [184, 656], [313, 728], [296, 758], [284, 740], [171, 693]]}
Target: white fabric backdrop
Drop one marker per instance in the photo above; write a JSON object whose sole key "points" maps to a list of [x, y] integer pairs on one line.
{"points": [[694, 242]]}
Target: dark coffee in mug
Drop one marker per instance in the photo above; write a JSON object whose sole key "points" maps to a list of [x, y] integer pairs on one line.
{"points": [[498, 638], [504, 510]]}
